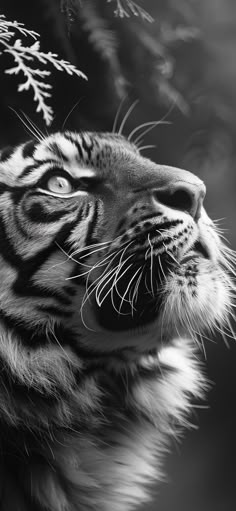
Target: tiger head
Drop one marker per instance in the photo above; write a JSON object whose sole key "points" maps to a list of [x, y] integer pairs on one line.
{"points": [[102, 244]]}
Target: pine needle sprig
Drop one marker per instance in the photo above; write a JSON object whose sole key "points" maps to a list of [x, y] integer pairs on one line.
{"points": [[26, 59], [6, 25]]}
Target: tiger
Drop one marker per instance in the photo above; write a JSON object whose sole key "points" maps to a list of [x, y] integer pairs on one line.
{"points": [[111, 275]]}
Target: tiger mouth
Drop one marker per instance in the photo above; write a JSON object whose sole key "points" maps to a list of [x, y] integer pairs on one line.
{"points": [[116, 315], [133, 302]]}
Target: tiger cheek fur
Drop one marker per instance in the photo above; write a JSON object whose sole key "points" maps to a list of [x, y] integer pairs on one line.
{"points": [[111, 271]]}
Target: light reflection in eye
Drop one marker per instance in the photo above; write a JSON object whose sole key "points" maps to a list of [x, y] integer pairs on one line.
{"points": [[59, 184]]}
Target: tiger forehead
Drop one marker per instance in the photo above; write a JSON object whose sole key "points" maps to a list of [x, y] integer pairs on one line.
{"points": [[81, 154], [100, 151]]}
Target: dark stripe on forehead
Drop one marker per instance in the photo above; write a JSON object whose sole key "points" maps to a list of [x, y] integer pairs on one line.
{"points": [[6, 153], [87, 147], [29, 148], [29, 168], [57, 150], [76, 144]]}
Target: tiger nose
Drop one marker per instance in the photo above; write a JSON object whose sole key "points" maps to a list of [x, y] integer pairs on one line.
{"points": [[183, 195]]}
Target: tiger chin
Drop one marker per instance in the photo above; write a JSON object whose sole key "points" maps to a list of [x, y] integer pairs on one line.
{"points": [[111, 274]]}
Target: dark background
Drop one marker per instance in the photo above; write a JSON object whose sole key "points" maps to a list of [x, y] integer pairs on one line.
{"points": [[182, 68]]}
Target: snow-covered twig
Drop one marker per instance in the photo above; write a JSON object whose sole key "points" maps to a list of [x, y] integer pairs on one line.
{"points": [[25, 58]]}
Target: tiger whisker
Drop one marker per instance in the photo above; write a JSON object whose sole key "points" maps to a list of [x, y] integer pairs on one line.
{"points": [[35, 127], [100, 288], [86, 297], [151, 125], [90, 289], [70, 112], [82, 249], [135, 293], [77, 251], [122, 297], [146, 285], [91, 286], [162, 271], [112, 298], [221, 235], [196, 335], [139, 144], [114, 286], [69, 257], [187, 321], [128, 113], [127, 289], [171, 255], [96, 245], [229, 255], [59, 344], [98, 264], [88, 254], [117, 269], [165, 116], [225, 334], [151, 266], [230, 326], [151, 146], [110, 290], [229, 266], [155, 123], [118, 113], [28, 128]]}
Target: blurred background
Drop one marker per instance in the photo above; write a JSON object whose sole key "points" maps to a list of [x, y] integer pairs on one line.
{"points": [[178, 58]]}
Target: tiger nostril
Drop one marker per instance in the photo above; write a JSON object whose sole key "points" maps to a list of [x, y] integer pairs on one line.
{"points": [[184, 197], [181, 199]]}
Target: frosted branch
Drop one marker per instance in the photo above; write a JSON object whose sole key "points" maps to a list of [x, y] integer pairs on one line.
{"points": [[25, 58]]}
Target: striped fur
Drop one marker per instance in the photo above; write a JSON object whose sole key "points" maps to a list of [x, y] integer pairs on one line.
{"points": [[104, 295]]}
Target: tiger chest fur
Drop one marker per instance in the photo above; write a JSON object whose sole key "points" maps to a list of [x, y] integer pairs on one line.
{"points": [[110, 272]]}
